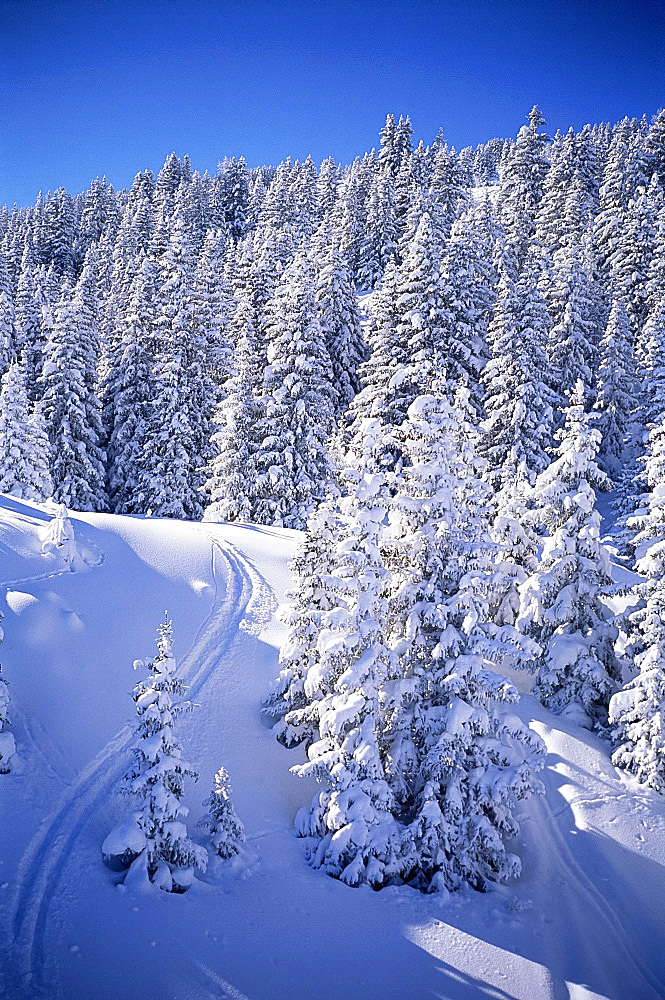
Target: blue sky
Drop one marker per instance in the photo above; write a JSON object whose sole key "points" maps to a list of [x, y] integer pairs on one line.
{"points": [[89, 87]]}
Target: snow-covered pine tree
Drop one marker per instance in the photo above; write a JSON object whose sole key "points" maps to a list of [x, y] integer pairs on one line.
{"points": [[379, 244], [99, 218], [287, 706], [29, 320], [56, 234], [350, 826], [40, 481], [292, 460], [522, 180], [350, 212], [573, 347], [405, 342], [469, 281], [615, 398], [214, 305], [234, 184], [7, 314], [327, 188], [225, 830], [637, 710], [378, 399], [518, 403], [24, 449], [176, 425], [70, 403], [447, 189], [517, 428], [7, 743], [129, 393], [456, 760], [339, 317], [156, 779], [560, 606], [231, 483]]}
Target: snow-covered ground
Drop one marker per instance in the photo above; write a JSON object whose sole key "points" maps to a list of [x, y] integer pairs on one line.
{"points": [[585, 920]]}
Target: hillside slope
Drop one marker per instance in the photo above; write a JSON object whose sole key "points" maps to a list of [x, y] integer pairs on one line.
{"points": [[585, 919]]}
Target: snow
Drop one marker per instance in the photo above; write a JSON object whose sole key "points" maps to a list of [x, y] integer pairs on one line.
{"points": [[584, 921]]}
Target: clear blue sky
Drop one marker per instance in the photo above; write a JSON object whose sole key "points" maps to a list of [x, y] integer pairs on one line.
{"points": [[89, 87]]}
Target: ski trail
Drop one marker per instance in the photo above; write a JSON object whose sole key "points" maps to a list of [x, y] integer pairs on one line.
{"points": [[585, 888], [54, 573], [42, 866], [35, 744]]}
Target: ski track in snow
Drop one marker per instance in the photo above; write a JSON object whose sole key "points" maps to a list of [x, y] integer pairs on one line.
{"points": [[645, 980], [42, 865]]}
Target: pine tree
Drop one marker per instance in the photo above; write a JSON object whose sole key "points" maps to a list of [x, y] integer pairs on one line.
{"points": [[99, 217], [177, 418], [40, 481], [287, 706], [560, 602], [24, 452], [30, 321], [379, 244], [636, 711], [231, 196], [365, 687], [518, 404], [517, 428], [522, 182], [70, 404], [351, 830], [339, 317], [615, 398], [7, 314], [292, 459], [7, 744], [56, 234], [448, 190], [573, 346], [380, 399], [231, 483], [469, 280], [225, 830], [129, 394], [214, 304], [457, 763], [157, 777], [406, 345]]}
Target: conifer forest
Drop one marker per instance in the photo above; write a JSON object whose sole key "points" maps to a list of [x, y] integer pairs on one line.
{"points": [[446, 371]]}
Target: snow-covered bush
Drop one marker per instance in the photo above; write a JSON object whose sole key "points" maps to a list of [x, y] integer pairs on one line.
{"points": [[7, 744], [59, 539], [124, 843], [225, 829]]}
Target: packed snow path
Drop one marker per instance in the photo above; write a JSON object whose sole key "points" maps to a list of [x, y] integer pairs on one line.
{"points": [[584, 921]]}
